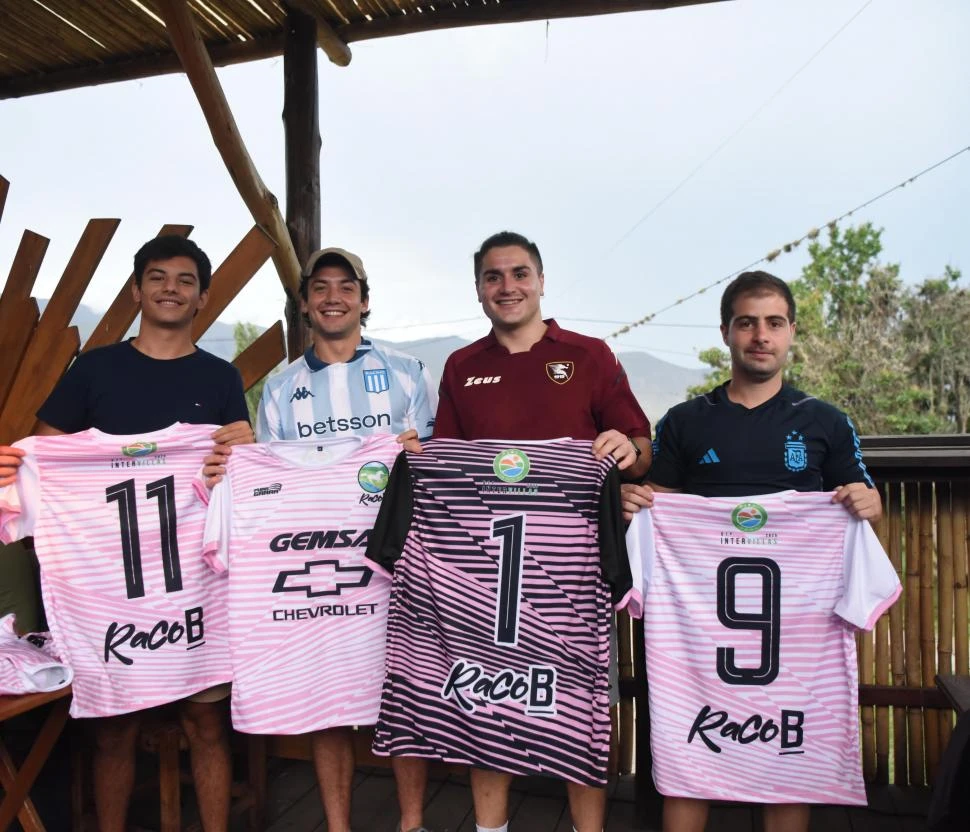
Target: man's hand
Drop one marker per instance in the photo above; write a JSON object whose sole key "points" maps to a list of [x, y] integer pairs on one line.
{"points": [[633, 498], [409, 441], [859, 500], [618, 444], [214, 465], [10, 460], [235, 433]]}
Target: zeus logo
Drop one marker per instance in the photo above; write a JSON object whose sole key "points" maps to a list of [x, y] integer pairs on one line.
{"points": [[322, 577], [473, 380]]}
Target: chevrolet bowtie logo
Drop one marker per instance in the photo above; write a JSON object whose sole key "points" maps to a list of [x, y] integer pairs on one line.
{"points": [[322, 577]]}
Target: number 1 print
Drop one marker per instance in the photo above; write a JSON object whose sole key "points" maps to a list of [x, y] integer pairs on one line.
{"points": [[512, 531]]}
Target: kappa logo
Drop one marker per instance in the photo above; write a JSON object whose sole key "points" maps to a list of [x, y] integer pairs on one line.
{"points": [[560, 371], [266, 490], [473, 380], [300, 394], [318, 578]]}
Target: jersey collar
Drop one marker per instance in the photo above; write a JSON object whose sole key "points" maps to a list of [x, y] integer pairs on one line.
{"points": [[316, 364], [719, 396], [553, 333]]}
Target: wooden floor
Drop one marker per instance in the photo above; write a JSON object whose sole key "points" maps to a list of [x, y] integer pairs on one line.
{"points": [[537, 805]]}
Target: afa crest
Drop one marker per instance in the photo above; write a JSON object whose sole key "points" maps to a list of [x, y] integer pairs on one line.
{"points": [[796, 452]]}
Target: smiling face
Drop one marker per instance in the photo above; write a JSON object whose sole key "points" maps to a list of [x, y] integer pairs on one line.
{"points": [[759, 336], [333, 304], [509, 288], [169, 294]]}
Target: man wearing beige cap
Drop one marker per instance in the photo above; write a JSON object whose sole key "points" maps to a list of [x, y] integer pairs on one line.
{"points": [[343, 386]]}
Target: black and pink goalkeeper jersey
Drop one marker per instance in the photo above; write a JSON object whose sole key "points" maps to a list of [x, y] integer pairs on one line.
{"points": [[505, 557]]}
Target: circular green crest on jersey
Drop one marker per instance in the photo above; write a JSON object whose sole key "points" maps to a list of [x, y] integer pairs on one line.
{"points": [[511, 465], [372, 477], [749, 517]]}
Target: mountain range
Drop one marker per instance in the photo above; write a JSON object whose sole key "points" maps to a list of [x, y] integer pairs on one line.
{"points": [[657, 384]]}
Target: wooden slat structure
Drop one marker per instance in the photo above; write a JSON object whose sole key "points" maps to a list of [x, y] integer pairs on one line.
{"points": [[37, 349], [63, 44]]}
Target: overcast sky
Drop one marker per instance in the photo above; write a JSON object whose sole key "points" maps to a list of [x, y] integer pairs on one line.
{"points": [[569, 133]]}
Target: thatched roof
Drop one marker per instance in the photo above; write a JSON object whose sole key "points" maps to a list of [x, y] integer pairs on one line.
{"points": [[48, 45]]}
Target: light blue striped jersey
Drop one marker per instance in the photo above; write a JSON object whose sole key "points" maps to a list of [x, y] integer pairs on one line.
{"points": [[380, 390]]}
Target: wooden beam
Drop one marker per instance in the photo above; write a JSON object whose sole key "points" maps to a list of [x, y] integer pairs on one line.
{"points": [[333, 46], [119, 317], [202, 76], [262, 355], [236, 271], [18, 310], [143, 66], [45, 361], [301, 131]]}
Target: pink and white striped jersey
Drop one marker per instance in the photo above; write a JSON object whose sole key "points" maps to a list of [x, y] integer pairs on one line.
{"points": [[27, 665], [505, 558], [118, 530], [307, 617], [750, 608]]}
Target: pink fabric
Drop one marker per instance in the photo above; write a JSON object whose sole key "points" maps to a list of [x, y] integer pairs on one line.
{"points": [[707, 563], [138, 630]]}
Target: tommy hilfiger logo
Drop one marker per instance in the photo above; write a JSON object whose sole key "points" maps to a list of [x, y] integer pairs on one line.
{"points": [[560, 371], [275, 488], [471, 380], [300, 394], [709, 458]]}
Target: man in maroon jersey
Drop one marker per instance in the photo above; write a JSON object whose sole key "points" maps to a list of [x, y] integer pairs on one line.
{"points": [[530, 379]]}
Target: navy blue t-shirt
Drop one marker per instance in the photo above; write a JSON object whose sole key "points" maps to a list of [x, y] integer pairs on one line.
{"points": [[713, 447], [118, 389]]}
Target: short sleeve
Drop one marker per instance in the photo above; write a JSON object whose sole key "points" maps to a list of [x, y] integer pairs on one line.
{"points": [[843, 462], [616, 406], [641, 551], [614, 562], [386, 542], [667, 468], [446, 424], [236, 409], [66, 408], [424, 403], [871, 582], [268, 421], [20, 501], [218, 524]]}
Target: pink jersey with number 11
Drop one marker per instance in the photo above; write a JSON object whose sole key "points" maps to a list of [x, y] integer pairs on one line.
{"points": [[750, 609], [133, 609]]}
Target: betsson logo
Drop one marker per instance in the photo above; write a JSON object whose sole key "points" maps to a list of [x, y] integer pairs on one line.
{"points": [[331, 425]]}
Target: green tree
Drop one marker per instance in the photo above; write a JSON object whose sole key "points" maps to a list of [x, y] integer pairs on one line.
{"points": [[895, 358], [244, 334]]}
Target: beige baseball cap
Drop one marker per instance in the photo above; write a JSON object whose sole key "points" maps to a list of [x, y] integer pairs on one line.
{"points": [[353, 261]]}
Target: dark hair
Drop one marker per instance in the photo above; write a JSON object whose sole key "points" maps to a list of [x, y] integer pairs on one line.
{"points": [[755, 283], [333, 259], [165, 248], [507, 238]]}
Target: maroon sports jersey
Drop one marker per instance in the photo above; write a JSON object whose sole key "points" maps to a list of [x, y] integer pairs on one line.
{"points": [[566, 385]]}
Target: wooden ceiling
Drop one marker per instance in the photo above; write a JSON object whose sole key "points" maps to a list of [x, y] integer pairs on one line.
{"points": [[48, 45]]}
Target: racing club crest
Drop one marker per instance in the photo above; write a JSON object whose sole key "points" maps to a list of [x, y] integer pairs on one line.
{"points": [[376, 381], [560, 371], [796, 454]]}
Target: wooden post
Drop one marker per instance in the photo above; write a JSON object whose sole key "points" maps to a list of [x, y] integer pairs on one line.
{"points": [[301, 124], [197, 64]]}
